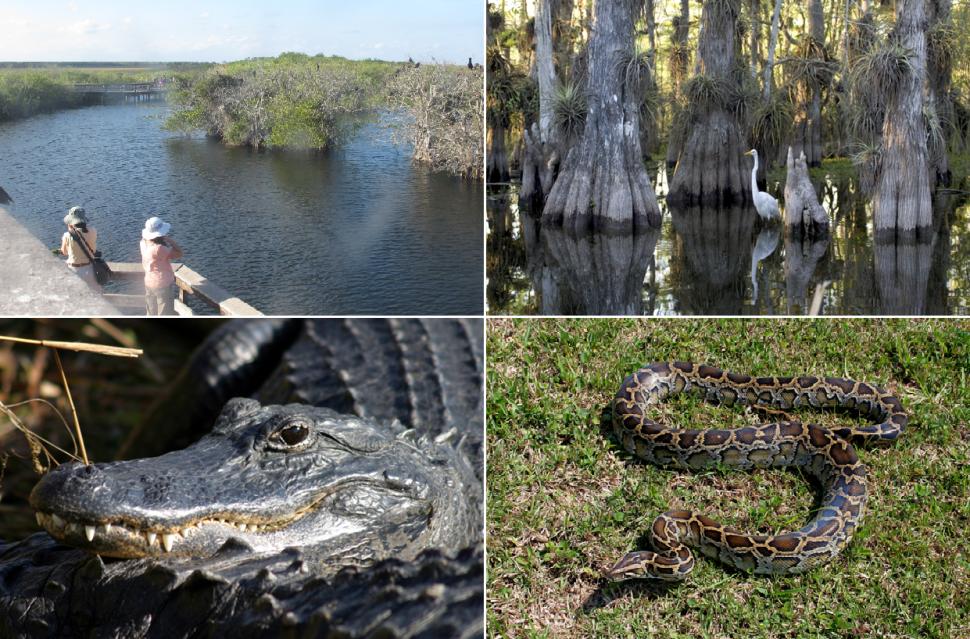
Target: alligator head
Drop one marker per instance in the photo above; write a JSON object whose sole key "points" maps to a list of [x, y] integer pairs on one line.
{"points": [[271, 477]]}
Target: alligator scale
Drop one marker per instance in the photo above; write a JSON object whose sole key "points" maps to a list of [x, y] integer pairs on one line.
{"points": [[338, 491]]}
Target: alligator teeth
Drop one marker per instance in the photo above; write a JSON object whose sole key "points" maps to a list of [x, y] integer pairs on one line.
{"points": [[253, 527], [40, 520], [72, 528], [107, 528], [151, 538], [167, 540], [58, 522], [89, 533]]}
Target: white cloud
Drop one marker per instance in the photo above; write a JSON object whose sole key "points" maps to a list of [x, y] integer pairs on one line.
{"points": [[72, 6], [379, 45], [86, 27], [204, 15]]}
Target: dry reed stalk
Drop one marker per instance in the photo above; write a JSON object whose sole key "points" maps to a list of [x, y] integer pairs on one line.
{"points": [[100, 349], [70, 402]]}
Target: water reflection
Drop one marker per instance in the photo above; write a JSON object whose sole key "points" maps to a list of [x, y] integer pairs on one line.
{"points": [[727, 262], [911, 275], [589, 274], [803, 256], [710, 260]]}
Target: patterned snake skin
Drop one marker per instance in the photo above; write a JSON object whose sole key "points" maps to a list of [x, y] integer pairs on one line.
{"points": [[826, 454]]}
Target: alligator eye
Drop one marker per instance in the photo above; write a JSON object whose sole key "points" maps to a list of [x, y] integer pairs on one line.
{"points": [[292, 435]]}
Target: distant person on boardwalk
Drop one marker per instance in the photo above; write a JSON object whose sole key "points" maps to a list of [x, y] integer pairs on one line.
{"points": [[78, 259], [157, 252]]}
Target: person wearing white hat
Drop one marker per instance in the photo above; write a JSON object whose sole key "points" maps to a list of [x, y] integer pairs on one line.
{"points": [[157, 252], [77, 258]]}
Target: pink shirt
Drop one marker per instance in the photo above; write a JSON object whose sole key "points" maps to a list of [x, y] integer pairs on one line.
{"points": [[155, 258]]}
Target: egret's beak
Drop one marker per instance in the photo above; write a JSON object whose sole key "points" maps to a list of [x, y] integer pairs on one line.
{"points": [[748, 152]]}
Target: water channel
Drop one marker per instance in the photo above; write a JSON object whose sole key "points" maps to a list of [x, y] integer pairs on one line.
{"points": [[727, 262], [358, 230]]}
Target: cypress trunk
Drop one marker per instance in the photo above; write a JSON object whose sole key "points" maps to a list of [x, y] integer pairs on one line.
{"points": [[679, 61], [710, 170], [902, 194], [603, 183], [540, 158], [803, 213], [939, 69], [545, 69], [808, 120], [772, 45], [497, 167]]}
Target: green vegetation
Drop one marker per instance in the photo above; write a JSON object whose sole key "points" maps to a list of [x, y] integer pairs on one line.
{"points": [[292, 101], [444, 120], [295, 101], [27, 91], [565, 501]]}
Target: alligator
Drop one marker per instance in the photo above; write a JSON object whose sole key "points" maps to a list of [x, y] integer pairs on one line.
{"points": [[338, 493]]}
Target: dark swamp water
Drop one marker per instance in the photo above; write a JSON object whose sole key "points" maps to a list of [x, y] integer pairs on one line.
{"points": [[359, 230], [726, 262]]}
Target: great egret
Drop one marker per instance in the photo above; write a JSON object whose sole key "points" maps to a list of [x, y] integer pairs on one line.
{"points": [[767, 206]]}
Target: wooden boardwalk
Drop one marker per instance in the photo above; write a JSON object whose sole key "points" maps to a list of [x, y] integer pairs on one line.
{"points": [[190, 284], [131, 88], [130, 92]]}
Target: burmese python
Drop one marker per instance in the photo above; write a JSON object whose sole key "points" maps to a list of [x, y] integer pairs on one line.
{"points": [[826, 454]]}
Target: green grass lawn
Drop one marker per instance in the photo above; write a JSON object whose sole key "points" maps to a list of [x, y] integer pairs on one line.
{"points": [[565, 501]]}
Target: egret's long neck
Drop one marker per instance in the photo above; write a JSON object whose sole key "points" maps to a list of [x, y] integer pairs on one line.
{"points": [[754, 175]]}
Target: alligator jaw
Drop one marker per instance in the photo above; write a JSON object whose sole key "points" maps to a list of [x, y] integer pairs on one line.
{"points": [[122, 539], [130, 539]]}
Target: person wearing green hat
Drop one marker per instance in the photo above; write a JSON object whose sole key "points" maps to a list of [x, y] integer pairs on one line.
{"points": [[77, 258]]}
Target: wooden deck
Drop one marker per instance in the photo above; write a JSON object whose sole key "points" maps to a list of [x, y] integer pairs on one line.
{"points": [[190, 284], [132, 88], [132, 92]]}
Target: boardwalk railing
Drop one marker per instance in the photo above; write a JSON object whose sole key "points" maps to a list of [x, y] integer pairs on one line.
{"points": [[129, 88], [190, 284]]}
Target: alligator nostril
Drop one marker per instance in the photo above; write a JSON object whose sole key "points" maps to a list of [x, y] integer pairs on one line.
{"points": [[75, 472]]}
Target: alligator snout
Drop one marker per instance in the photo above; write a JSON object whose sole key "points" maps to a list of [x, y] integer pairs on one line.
{"points": [[66, 485]]}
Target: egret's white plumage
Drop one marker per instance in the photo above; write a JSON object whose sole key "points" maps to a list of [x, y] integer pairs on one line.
{"points": [[766, 205]]}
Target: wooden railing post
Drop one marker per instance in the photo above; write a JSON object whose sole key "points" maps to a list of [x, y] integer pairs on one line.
{"points": [[190, 284]]}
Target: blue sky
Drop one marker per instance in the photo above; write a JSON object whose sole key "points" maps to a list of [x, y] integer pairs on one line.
{"points": [[223, 30]]}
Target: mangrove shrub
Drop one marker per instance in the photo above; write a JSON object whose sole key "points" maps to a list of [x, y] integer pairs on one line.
{"points": [[295, 101], [292, 101], [445, 107]]}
